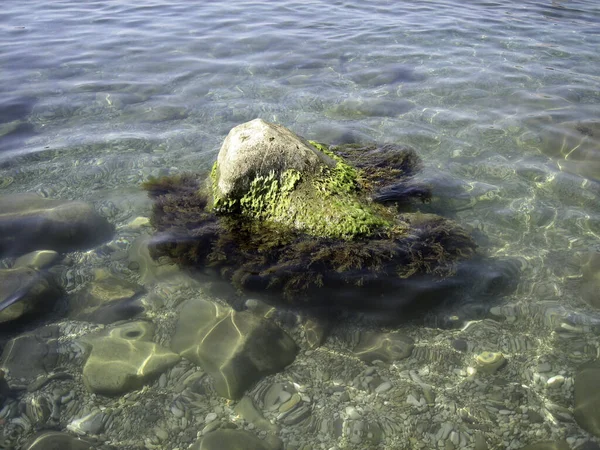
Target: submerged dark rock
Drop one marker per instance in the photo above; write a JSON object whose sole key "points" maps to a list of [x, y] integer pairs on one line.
{"points": [[29, 222], [26, 291], [316, 235]]}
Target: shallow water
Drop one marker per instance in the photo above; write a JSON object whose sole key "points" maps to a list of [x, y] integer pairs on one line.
{"points": [[500, 99]]}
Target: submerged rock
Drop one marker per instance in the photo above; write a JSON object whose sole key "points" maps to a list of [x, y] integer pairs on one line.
{"points": [[29, 222], [39, 259], [548, 445], [31, 355], [587, 397], [267, 224], [107, 299], [25, 291], [55, 440], [231, 440], [386, 347], [124, 359], [235, 348]]}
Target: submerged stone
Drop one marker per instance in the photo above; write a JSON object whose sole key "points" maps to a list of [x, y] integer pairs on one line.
{"points": [[548, 445], [107, 299], [231, 440], [124, 359], [235, 348], [386, 347], [25, 291], [587, 397], [40, 259], [31, 355], [490, 362], [29, 222], [55, 440]]}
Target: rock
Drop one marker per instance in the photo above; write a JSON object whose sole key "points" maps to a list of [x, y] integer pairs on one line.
{"points": [[152, 271], [490, 362], [256, 148], [315, 331], [298, 218], [246, 409], [123, 359], [591, 278], [92, 423], [54, 440], [31, 355], [235, 348], [230, 440], [589, 445], [39, 259], [29, 222], [548, 445], [387, 347], [587, 397], [106, 300], [24, 291]]}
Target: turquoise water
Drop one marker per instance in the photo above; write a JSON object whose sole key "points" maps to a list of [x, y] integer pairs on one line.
{"points": [[500, 99]]}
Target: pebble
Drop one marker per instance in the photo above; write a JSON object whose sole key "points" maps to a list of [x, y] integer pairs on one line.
{"points": [[352, 413], [556, 381], [210, 417], [490, 362], [544, 367], [383, 387], [162, 381]]}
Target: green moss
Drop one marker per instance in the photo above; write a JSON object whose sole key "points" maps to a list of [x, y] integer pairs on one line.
{"points": [[326, 204]]}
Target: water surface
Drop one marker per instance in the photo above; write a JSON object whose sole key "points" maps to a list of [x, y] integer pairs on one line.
{"points": [[501, 100]]}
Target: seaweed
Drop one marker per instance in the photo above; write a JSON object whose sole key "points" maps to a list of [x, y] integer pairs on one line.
{"points": [[247, 242]]}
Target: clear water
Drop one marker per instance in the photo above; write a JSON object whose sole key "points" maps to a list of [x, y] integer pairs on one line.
{"points": [[501, 99]]}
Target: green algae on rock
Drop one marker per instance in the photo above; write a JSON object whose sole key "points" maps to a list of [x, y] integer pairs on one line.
{"points": [[280, 227]]}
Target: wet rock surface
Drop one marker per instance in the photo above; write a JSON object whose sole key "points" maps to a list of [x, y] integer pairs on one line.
{"points": [[246, 148], [235, 348], [124, 359], [29, 222]]}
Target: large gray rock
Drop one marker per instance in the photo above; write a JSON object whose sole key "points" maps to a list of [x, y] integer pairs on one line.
{"points": [[124, 359], [29, 222], [235, 348], [257, 148], [25, 290]]}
